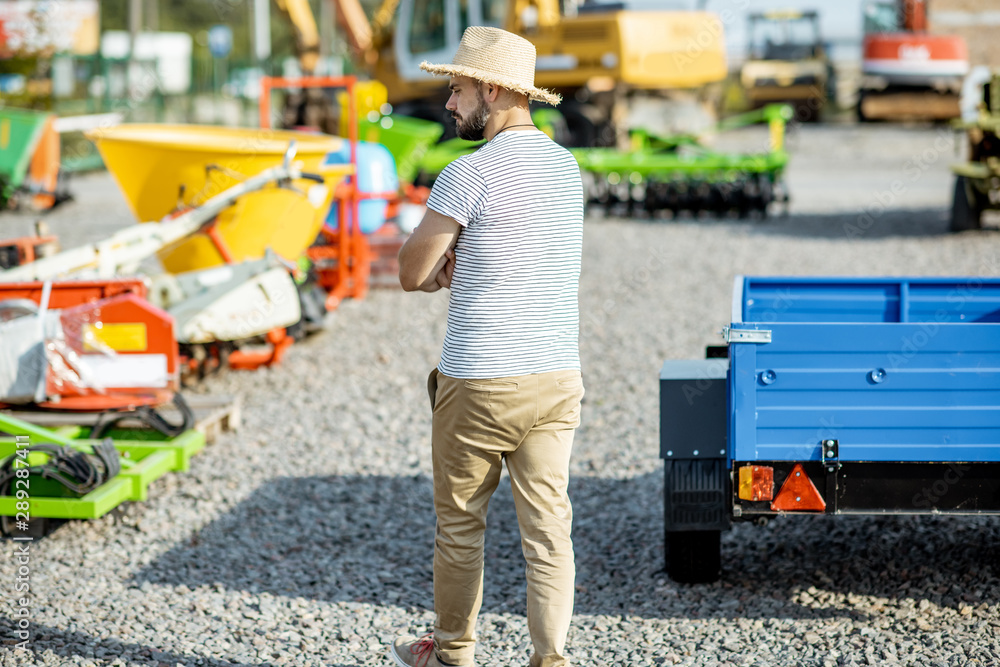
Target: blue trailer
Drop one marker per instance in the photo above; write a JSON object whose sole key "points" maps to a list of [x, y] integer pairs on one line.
{"points": [[835, 396]]}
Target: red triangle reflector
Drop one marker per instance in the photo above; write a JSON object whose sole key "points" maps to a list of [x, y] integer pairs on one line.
{"points": [[798, 493]]}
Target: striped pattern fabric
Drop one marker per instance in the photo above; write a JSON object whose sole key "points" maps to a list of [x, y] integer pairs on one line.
{"points": [[513, 308]]}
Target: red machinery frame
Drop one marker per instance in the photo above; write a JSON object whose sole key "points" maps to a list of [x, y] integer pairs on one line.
{"points": [[83, 300], [29, 247], [347, 247], [69, 293]]}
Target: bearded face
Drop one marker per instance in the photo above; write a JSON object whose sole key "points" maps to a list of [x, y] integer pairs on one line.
{"points": [[471, 126]]}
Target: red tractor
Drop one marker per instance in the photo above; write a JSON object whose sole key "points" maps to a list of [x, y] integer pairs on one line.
{"points": [[907, 73]]}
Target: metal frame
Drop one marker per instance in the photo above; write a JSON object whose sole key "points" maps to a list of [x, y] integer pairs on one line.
{"points": [[143, 461], [347, 249], [894, 369], [886, 487]]}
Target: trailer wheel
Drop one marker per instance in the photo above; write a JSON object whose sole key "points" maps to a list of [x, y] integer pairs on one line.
{"points": [[694, 556], [966, 207], [38, 527]]}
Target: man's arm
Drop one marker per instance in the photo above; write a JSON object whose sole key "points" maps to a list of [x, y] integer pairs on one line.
{"points": [[424, 256]]}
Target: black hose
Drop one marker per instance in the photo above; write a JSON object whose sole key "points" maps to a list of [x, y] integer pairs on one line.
{"points": [[78, 471], [148, 416]]}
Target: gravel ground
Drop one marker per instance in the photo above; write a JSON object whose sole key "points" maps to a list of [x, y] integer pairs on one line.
{"points": [[306, 537]]}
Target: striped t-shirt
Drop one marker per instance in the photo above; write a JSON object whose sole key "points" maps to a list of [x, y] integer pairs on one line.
{"points": [[513, 308]]}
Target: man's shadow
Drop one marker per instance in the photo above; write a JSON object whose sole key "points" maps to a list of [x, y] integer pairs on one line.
{"points": [[370, 539]]}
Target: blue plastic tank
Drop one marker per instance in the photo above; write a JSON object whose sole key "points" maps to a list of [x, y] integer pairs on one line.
{"points": [[376, 173]]}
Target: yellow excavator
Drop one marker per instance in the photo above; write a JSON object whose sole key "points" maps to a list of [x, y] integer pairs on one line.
{"points": [[300, 15], [598, 55]]}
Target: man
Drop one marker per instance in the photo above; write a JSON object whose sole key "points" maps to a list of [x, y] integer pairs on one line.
{"points": [[503, 231]]}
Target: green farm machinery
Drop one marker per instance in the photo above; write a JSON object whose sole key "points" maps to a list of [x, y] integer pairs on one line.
{"points": [[663, 175], [48, 475], [977, 182], [680, 174]]}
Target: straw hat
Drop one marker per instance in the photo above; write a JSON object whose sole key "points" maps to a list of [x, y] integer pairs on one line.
{"points": [[492, 55]]}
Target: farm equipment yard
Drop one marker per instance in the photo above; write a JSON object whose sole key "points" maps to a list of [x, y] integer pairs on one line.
{"points": [[303, 537]]}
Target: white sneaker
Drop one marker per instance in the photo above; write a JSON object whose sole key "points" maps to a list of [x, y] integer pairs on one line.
{"points": [[412, 651]]}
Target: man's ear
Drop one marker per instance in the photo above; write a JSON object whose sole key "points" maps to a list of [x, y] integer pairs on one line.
{"points": [[490, 92]]}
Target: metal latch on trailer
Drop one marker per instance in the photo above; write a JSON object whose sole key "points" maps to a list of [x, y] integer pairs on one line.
{"points": [[830, 456], [746, 335]]}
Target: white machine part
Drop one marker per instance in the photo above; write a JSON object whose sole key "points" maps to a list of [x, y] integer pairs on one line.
{"points": [[231, 302], [22, 355]]}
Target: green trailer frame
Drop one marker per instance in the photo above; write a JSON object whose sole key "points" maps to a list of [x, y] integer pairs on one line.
{"points": [[144, 457]]}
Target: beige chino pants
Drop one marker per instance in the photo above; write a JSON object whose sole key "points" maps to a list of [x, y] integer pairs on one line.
{"points": [[529, 421]]}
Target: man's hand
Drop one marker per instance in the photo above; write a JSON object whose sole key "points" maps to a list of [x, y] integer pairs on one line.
{"points": [[426, 260], [448, 270], [443, 277]]}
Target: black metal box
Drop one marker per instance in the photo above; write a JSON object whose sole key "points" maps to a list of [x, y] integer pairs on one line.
{"points": [[693, 409]]}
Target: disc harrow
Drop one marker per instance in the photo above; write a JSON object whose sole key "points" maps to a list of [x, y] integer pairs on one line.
{"points": [[679, 175], [744, 196], [672, 176]]}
